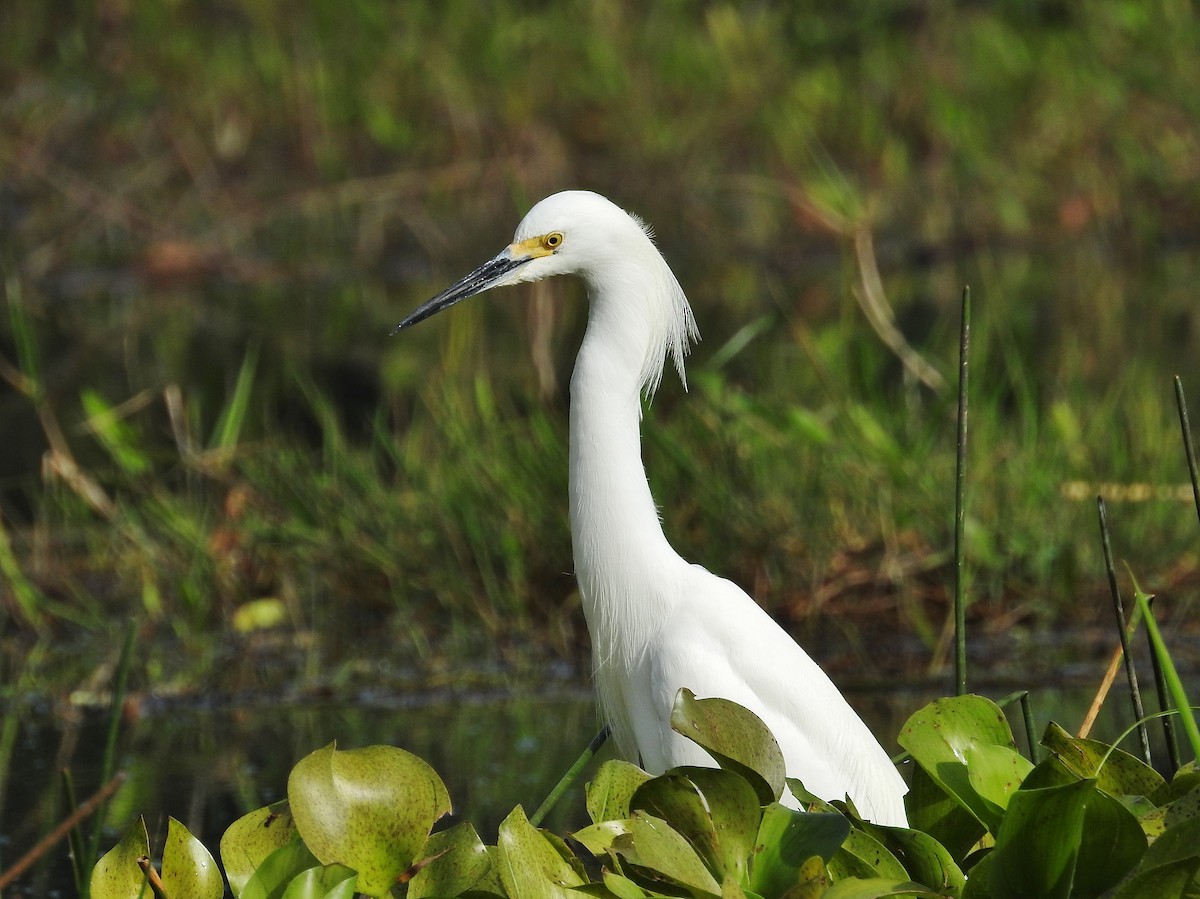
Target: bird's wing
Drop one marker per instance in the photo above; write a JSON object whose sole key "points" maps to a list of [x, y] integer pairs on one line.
{"points": [[719, 642]]}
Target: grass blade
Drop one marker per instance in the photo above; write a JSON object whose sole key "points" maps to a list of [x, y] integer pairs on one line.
{"points": [[1160, 688], [233, 416], [1170, 674]]}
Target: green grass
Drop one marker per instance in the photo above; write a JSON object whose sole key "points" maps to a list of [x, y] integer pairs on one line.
{"points": [[215, 221]]}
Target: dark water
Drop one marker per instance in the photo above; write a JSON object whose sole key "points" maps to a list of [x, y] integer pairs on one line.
{"points": [[208, 764]]}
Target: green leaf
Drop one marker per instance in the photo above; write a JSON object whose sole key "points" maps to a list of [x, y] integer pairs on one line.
{"points": [[369, 808], [716, 811], [117, 875], [735, 737], [1037, 846], [598, 838], [812, 881], [979, 876], [1173, 880], [787, 839], [878, 888], [657, 848], [1115, 772], [942, 738], [1112, 844], [459, 861], [324, 882], [622, 887], [995, 772], [1186, 807], [864, 857], [251, 838], [188, 869], [1179, 842], [530, 866], [933, 811], [925, 860], [609, 793], [271, 878]]}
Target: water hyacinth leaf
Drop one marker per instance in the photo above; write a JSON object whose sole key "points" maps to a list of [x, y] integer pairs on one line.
{"points": [[1115, 771], [608, 794], [731, 889], [1037, 846], [1186, 779], [598, 838], [188, 869], [1187, 807], [932, 810], [1049, 772], [788, 839], [117, 875], [864, 857], [811, 801], [1178, 843], [663, 854], [995, 772], [939, 736], [1113, 843], [925, 860], [370, 809], [323, 882], [622, 887], [1173, 880], [715, 810], [457, 860], [530, 865], [251, 838], [1169, 867], [878, 888], [277, 870], [812, 881], [735, 737]]}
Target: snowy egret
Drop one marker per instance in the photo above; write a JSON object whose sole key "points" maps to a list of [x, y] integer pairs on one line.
{"points": [[658, 623]]}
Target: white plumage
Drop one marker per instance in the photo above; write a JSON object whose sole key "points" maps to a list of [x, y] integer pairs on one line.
{"points": [[658, 623]]}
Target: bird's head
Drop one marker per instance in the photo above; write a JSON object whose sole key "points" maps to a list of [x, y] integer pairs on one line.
{"points": [[572, 232], [580, 232]]}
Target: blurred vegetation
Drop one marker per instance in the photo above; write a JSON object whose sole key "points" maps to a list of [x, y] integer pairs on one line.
{"points": [[214, 213]]}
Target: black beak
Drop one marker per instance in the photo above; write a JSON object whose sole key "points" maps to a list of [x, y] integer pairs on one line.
{"points": [[476, 282]]}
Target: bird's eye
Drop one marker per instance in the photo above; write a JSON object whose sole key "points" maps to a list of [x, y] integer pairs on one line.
{"points": [[553, 240]]}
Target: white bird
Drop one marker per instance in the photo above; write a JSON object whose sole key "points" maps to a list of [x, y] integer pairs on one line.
{"points": [[658, 623]]}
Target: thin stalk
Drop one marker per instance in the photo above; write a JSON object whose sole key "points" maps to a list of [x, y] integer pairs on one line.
{"points": [[1189, 448], [1139, 713], [567, 779], [1022, 696], [114, 730], [960, 509], [1030, 735]]}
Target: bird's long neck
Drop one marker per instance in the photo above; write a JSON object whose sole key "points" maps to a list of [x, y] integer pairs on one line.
{"points": [[624, 564]]}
